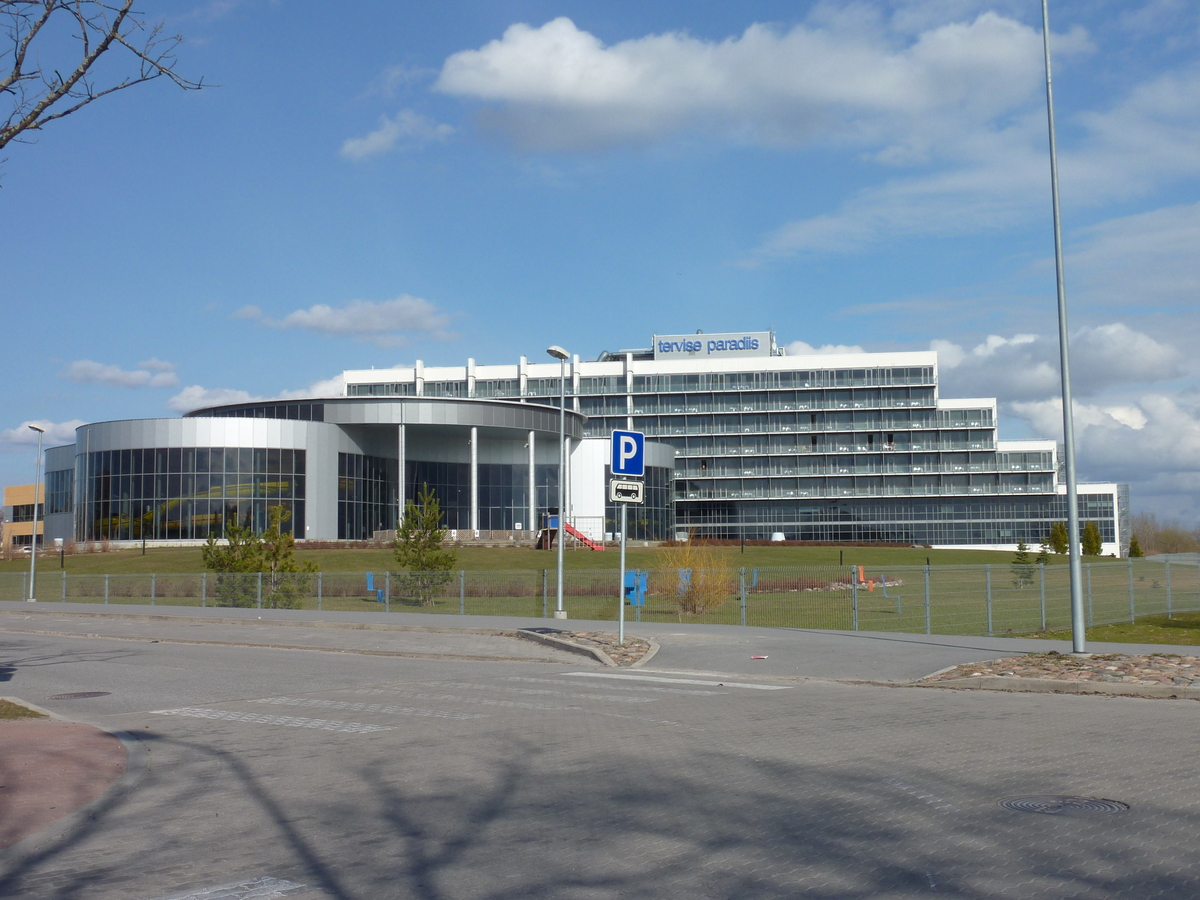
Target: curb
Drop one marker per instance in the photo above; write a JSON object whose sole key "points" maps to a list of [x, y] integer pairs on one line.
{"points": [[17, 701], [259, 620], [559, 643], [1051, 686], [137, 759]]}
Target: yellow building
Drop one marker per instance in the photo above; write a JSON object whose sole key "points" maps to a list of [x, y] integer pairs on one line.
{"points": [[18, 515]]}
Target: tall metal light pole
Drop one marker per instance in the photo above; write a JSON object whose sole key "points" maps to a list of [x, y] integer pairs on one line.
{"points": [[37, 474], [561, 355], [1078, 636]]}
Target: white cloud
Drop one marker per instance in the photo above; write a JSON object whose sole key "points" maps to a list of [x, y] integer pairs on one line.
{"points": [[57, 433], [325, 387], [1149, 259], [800, 348], [389, 323], [248, 312], [1025, 366], [406, 127], [839, 77], [153, 373], [195, 397]]}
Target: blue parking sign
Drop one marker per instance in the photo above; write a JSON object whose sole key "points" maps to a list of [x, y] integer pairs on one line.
{"points": [[628, 453]]}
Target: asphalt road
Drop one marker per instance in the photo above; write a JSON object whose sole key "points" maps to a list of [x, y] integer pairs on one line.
{"points": [[307, 774]]}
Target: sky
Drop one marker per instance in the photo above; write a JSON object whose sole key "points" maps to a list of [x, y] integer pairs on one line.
{"points": [[399, 181]]}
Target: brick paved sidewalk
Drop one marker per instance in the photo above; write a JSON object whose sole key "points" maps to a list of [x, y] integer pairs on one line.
{"points": [[50, 769]]}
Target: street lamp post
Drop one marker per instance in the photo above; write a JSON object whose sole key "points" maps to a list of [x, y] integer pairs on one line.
{"points": [[37, 475], [561, 355], [1077, 620]]}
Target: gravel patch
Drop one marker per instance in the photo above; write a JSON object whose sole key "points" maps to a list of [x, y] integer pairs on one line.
{"points": [[622, 654], [1157, 668]]}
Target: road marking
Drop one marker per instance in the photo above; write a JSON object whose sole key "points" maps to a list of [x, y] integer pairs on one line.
{"points": [[728, 684], [607, 698], [252, 889], [369, 707], [456, 698], [691, 692], [194, 712]]}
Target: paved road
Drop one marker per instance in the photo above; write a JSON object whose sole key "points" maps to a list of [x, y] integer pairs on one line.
{"points": [[308, 774]]}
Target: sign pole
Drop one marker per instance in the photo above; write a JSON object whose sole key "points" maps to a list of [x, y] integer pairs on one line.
{"points": [[621, 594]]}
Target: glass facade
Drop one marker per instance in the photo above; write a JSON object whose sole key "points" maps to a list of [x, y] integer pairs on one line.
{"points": [[186, 493], [366, 495], [23, 512], [60, 491], [305, 411], [367, 499]]}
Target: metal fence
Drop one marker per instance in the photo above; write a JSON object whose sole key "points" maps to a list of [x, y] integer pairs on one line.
{"points": [[998, 599]]}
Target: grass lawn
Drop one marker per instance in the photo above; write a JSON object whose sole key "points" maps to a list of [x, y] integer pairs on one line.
{"points": [[172, 561], [1182, 628], [10, 710]]}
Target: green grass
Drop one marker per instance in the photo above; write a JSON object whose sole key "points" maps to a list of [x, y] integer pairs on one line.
{"points": [[1182, 628], [10, 710], [170, 560]]}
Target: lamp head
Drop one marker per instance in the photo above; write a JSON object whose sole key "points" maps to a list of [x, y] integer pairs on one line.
{"points": [[38, 430], [557, 352]]}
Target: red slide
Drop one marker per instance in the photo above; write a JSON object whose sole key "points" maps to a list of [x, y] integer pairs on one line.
{"points": [[586, 541]]}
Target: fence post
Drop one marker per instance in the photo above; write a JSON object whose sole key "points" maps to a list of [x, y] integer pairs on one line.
{"points": [[106, 589], [462, 592], [545, 610], [153, 588], [24, 585], [1132, 614], [742, 591], [260, 590], [1168, 573], [320, 590], [64, 587], [854, 595], [987, 574], [928, 617], [1087, 568], [1042, 588], [387, 591], [203, 589]]}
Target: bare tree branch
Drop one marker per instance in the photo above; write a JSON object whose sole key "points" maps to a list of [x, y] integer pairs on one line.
{"points": [[35, 94]]}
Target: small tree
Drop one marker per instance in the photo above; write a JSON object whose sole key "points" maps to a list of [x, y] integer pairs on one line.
{"points": [[234, 560], [1090, 540], [290, 579], [700, 576], [1135, 548], [1059, 539], [243, 555], [419, 547], [1022, 567]]}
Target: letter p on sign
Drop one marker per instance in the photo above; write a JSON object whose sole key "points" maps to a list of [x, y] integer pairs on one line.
{"points": [[628, 453]]}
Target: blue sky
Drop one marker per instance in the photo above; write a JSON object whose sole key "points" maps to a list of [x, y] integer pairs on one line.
{"points": [[438, 181]]}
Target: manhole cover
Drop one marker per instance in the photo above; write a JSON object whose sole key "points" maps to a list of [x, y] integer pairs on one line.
{"points": [[80, 695], [1053, 805]]}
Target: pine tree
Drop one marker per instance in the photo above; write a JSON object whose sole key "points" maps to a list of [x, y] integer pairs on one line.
{"points": [[1135, 548], [1022, 567], [243, 555], [419, 547], [1059, 539], [1043, 557], [1091, 540]]}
